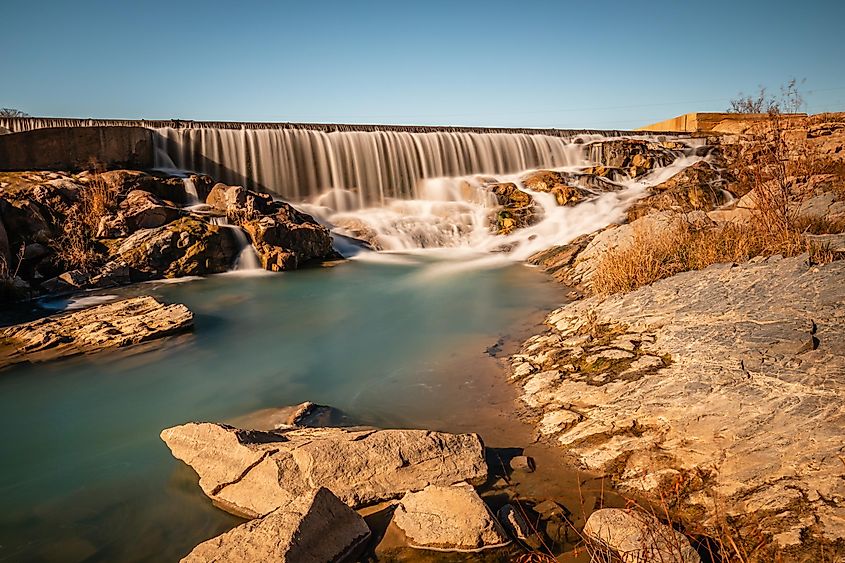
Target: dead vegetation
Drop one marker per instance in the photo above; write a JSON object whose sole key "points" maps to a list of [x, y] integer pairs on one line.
{"points": [[77, 246], [776, 162]]}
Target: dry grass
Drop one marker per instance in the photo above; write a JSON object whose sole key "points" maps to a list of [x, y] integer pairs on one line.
{"points": [[777, 164], [77, 247]]}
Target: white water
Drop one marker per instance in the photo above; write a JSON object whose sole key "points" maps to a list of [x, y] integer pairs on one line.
{"points": [[300, 164], [411, 191], [247, 260], [452, 219], [191, 192]]}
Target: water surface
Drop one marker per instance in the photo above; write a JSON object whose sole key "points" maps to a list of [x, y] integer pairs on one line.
{"points": [[84, 475]]}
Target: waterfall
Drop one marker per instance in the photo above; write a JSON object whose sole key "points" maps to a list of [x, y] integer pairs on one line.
{"points": [[415, 190], [247, 258], [406, 189], [191, 191], [373, 166]]}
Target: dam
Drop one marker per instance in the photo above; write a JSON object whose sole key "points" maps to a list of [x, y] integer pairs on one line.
{"points": [[298, 161]]}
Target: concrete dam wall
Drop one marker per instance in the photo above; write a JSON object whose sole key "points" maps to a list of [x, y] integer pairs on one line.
{"points": [[295, 161]]}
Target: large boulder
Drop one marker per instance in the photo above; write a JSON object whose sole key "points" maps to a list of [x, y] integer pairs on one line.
{"points": [[635, 156], [288, 239], [167, 188], [517, 208], [636, 536], [239, 203], [252, 473], [185, 247], [143, 210], [452, 518], [313, 528], [112, 325]]}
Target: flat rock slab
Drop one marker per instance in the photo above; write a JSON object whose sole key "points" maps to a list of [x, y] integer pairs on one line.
{"points": [[635, 537], [314, 528], [251, 473], [451, 518], [112, 325], [739, 374]]}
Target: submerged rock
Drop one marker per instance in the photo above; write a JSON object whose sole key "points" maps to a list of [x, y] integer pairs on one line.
{"points": [[252, 473], [452, 518], [636, 537], [313, 528], [112, 325]]}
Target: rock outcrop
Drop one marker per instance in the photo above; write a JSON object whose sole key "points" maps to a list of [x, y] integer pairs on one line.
{"points": [[313, 528], [517, 207], [187, 247], [123, 226], [252, 473], [701, 186], [451, 518], [636, 537], [723, 383], [112, 325]]}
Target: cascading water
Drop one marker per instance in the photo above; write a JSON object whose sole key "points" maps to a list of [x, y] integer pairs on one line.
{"points": [[413, 191], [247, 258], [298, 164], [191, 191]]}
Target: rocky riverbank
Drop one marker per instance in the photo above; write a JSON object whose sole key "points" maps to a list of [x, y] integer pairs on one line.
{"points": [[704, 376]]}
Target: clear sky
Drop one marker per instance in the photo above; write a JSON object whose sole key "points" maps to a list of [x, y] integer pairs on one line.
{"points": [[585, 63]]}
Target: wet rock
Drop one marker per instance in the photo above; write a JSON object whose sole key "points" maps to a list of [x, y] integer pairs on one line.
{"points": [[697, 187], [452, 518], [167, 188], [513, 521], [313, 528], [113, 325], [184, 247], [518, 208], [635, 156], [288, 239], [252, 473], [637, 536], [523, 463]]}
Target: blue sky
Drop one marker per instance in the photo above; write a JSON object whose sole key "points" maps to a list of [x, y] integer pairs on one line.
{"points": [[590, 63]]}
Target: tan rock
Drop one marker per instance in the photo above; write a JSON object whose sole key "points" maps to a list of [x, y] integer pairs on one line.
{"points": [[637, 537], [252, 473], [112, 325], [452, 518], [313, 528]]}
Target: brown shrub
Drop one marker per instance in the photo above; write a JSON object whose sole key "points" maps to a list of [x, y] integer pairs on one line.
{"points": [[77, 247], [654, 256]]}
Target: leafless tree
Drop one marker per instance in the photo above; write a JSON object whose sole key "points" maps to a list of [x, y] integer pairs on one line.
{"points": [[12, 112], [789, 101]]}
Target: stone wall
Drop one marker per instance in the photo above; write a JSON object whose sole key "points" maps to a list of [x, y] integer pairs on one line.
{"points": [[708, 121], [73, 148]]}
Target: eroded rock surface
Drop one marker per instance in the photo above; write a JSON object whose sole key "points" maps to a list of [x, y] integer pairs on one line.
{"points": [[451, 518], [637, 537], [313, 528], [112, 325], [725, 382], [252, 473]]}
